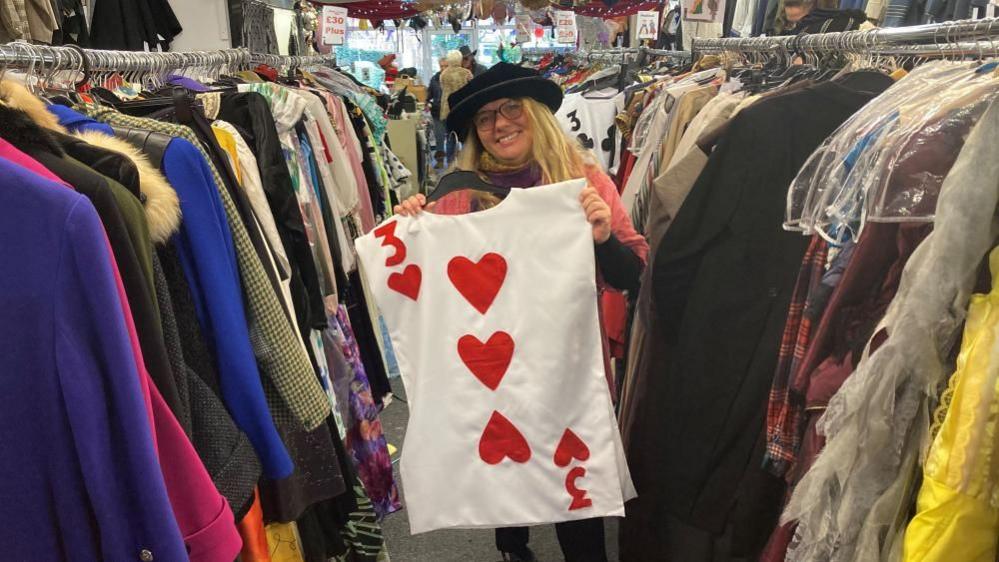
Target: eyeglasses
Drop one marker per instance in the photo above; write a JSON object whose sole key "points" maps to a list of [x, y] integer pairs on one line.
{"points": [[512, 109]]}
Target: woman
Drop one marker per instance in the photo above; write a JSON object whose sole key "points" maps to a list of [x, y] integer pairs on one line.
{"points": [[505, 117], [453, 78]]}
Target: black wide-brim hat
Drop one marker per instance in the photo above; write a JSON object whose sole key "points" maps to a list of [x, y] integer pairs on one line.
{"points": [[503, 80]]}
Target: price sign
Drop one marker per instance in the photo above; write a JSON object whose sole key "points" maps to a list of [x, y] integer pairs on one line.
{"points": [[648, 25], [565, 18], [565, 27], [565, 35], [334, 25]]}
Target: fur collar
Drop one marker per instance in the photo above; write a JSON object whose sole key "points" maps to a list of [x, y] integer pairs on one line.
{"points": [[17, 96], [23, 122], [20, 130], [161, 202]]}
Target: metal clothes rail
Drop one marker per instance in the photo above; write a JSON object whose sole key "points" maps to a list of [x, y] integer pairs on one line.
{"points": [[639, 52], [943, 38], [44, 58]]}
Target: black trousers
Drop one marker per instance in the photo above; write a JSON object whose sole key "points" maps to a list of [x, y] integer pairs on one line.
{"points": [[581, 541]]}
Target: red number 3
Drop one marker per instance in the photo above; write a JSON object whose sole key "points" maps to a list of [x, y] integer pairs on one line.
{"points": [[387, 233]]}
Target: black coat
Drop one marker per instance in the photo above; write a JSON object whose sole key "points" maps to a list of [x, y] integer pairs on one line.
{"points": [[722, 281], [130, 25], [434, 96]]}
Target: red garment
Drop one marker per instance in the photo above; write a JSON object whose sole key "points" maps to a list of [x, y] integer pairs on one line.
{"points": [[12, 153], [783, 409], [625, 167], [615, 308]]}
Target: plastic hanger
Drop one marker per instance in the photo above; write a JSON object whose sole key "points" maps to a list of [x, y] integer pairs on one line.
{"points": [[459, 180]]}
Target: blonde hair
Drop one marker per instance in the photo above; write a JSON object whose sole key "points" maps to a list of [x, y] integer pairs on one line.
{"points": [[453, 57], [559, 156]]}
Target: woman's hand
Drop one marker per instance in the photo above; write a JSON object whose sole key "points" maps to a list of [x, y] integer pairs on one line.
{"points": [[413, 206], [598, 214]]}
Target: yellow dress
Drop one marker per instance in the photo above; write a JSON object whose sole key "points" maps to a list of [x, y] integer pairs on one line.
{"points": [[957, 517]]}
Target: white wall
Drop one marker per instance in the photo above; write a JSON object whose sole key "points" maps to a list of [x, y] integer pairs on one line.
{"points": [[206, 25]]}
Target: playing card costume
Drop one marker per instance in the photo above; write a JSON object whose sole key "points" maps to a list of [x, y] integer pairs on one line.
{"points": [[494, 320]]}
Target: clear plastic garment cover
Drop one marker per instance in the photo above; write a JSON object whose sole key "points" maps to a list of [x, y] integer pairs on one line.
{"points": [[874, 168]]}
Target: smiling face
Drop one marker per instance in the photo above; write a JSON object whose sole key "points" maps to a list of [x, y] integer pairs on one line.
{"points": [[504, 129]]}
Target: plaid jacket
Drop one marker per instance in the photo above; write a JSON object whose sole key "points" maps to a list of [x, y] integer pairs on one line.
{"points": [[295, 397], [786, 408]]}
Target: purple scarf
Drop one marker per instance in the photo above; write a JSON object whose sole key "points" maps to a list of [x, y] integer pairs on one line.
{"points": [[528, 176]]}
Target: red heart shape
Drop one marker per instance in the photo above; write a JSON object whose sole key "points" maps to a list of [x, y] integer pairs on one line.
{"points": [[408, 282], [501, 439], [487, 361], [570, 447], [478, 282]]}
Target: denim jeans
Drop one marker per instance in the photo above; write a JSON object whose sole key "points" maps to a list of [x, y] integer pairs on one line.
{"points": [[444, 142]]}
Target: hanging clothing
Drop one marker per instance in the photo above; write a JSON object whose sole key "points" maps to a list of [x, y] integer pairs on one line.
{"points": [[295, 393], [251, 112], [208, 256], [133, 25], [132, 513], [935, 284], [956, 514], [364, 435], [698, 467], [590, 120], [205, 292]]}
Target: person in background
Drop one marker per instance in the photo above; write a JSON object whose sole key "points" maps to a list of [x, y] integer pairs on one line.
{"points": [[453, 78], [391, 70], [511, 137], [434, 103], [468, 61], [819, 16], [795, 11]]}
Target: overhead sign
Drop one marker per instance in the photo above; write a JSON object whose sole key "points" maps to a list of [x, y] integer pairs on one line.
{"points": [[334, 25], [648, 24], [565, 27]]}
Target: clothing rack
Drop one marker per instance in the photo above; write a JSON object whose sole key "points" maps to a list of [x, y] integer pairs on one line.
{"points": [[641, 53], [955, 37], [538, 52], [44, 58]]}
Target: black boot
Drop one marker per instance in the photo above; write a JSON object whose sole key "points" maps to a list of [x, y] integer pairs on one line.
{"points": [[526, 556]]}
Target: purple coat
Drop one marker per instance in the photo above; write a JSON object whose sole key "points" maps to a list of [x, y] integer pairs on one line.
{"points": [[81, 479]]}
